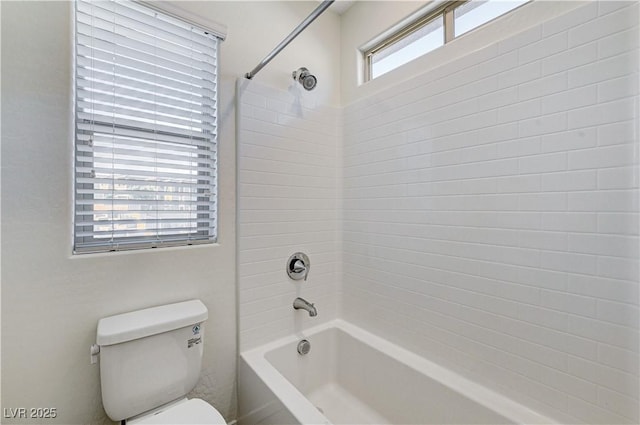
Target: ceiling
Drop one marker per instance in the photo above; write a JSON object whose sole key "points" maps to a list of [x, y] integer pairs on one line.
{"points": [[341, 6]]}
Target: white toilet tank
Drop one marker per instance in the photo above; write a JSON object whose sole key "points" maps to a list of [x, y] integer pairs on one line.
{"points": [[150, 357]]}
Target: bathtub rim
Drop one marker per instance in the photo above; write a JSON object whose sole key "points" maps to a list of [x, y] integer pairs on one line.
{"points": [[304, 411]]}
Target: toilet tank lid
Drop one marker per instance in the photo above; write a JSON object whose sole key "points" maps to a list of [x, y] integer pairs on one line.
{"points": [[150, 321]]}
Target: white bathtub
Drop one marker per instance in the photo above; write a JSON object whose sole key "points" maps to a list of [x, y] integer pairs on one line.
{"points": [[354, 377]]}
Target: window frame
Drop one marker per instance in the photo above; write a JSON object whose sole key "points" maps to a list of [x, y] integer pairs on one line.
{"points": [[91, 244], [446, 11]]}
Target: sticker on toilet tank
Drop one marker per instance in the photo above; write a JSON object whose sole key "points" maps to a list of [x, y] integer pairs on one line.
{"points": [[193, 341]]}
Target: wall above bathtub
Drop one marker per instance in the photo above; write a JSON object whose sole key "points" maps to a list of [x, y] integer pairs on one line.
{"points": [[289, 156], [490, 216]]}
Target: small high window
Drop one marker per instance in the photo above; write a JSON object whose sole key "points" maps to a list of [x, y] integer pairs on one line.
{"points": [[436, 28], [145, 129]]}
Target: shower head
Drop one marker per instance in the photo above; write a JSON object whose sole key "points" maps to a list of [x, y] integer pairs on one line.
{"points": [[305, 78]]}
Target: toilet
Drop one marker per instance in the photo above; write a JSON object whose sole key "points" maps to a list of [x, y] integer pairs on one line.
{"points": [[149, 360]]}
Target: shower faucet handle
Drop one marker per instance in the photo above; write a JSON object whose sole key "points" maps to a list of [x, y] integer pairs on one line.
{"points": [[298, 266]]}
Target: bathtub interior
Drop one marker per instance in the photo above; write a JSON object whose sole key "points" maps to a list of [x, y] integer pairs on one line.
{"points": [[351, 382]]}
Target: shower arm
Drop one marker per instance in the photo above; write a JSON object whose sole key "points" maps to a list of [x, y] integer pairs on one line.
{"points": [[304, 24]]}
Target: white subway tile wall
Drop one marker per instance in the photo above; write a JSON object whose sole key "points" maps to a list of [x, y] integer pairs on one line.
{"points": [[289, 198], [483, 214], [490, 216]]}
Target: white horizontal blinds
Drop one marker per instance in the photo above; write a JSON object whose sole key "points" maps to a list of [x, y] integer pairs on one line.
{"points": [[145, 158]]}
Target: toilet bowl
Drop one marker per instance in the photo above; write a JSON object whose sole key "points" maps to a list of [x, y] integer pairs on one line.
{"points": [[149, 360], [193, 412]]}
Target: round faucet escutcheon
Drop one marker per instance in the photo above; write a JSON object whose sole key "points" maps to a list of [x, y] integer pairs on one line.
{"points": [[298, 266]]}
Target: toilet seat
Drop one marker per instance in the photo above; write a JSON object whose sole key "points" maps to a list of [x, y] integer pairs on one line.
{"points": [[194, 411]]}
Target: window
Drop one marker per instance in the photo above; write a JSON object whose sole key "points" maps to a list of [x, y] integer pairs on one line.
{"points": [[145, 129], [439, 26]]}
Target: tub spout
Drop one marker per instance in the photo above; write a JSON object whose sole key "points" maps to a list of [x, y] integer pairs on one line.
{"points": [[300, 303]]}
